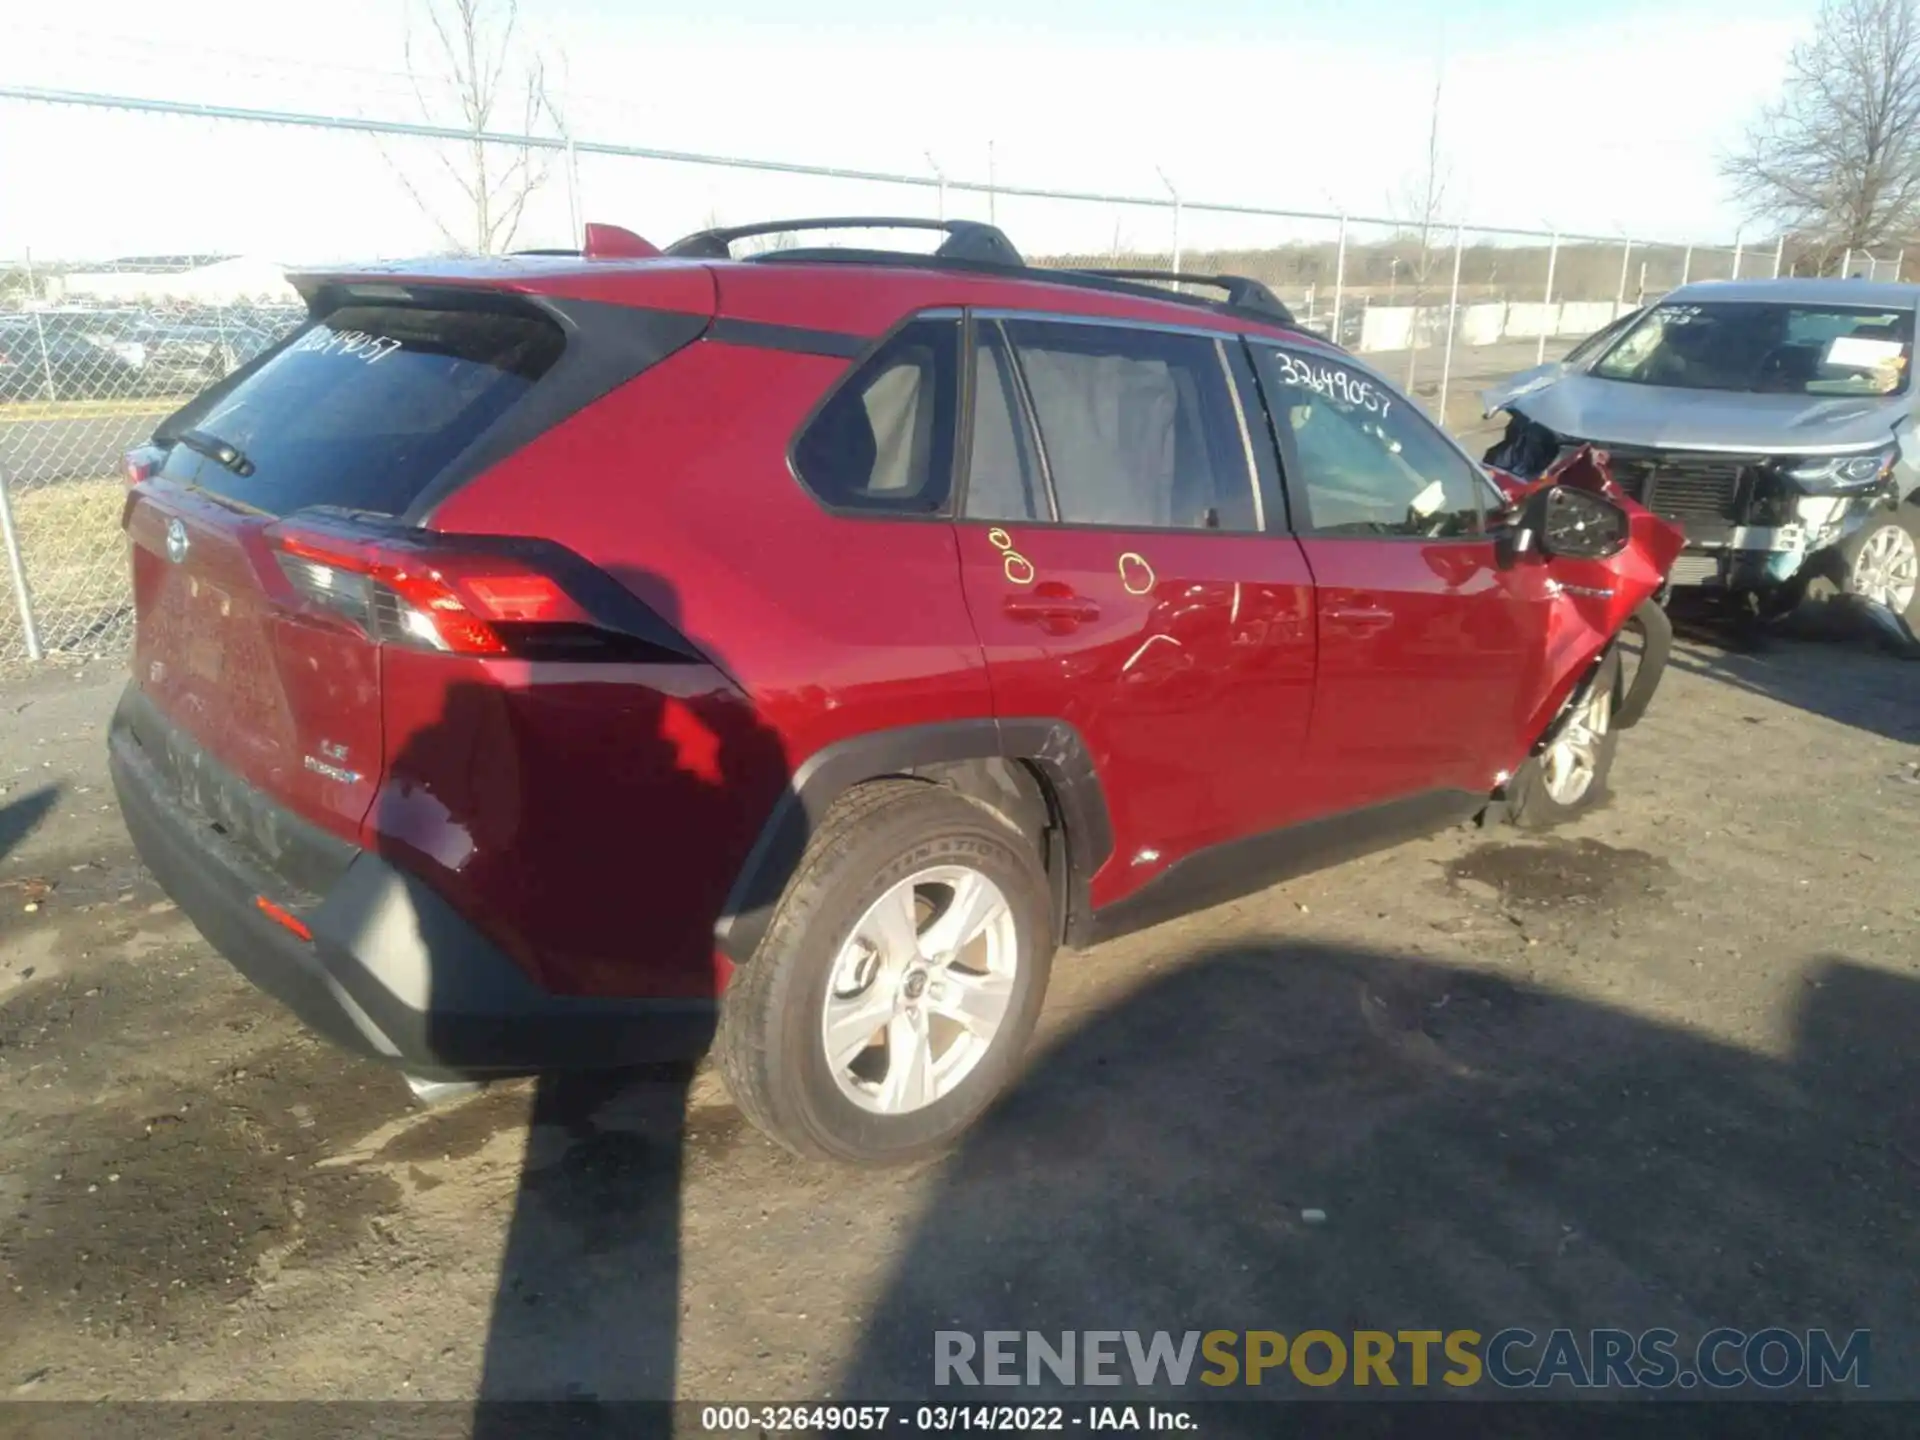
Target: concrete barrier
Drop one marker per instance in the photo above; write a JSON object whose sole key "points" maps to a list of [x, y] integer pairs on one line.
{"points": [[1392, 327], [1583, 317], [1531, 318], [1482, 324], [1386, 327]]}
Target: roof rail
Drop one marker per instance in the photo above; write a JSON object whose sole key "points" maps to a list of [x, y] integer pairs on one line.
{"points": [[967, 240], [1243, 293], [972, 245]]}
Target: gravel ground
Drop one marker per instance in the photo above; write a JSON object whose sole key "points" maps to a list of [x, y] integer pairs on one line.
{"points": [[1650, 1071]]}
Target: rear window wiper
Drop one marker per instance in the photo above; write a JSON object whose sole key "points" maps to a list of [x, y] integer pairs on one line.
{"points": [[214, 448]]}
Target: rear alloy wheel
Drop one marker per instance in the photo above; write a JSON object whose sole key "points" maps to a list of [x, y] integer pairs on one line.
{"points": [[899, 982], [1567, 776], [920, 990]]}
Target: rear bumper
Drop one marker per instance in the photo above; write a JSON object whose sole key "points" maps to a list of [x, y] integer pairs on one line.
{"points": [[392, 972]]}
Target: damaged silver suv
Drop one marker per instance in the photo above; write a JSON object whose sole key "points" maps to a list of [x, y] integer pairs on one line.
{"points": [[1773, 420]]}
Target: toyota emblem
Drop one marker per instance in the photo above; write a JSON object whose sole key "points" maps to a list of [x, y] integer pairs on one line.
{"points": [[176, 541]]}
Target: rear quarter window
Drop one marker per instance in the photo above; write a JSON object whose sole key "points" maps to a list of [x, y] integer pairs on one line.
{"points": [[365, 408]]}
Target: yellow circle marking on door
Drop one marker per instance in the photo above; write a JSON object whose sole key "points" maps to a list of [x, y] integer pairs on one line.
{"points": [[1015, 566], [1136, 575]]}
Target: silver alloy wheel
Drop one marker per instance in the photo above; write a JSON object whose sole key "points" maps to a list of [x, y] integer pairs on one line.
{"points": [[919, 990], [1570, 763], [1887, 568]]}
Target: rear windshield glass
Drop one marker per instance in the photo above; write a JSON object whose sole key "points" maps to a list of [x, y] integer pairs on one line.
{"points": [[1763, 348], [366, 407]]}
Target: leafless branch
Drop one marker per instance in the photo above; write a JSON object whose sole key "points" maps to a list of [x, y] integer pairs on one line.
{"points": [[1836, 159], [478, 53], [1420, 204]]}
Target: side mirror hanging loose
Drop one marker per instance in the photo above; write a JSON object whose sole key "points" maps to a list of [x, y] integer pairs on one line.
{"points": [[1578, 524]]}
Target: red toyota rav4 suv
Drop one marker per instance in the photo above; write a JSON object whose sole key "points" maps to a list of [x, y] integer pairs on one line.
{"points": [[567, 661]]}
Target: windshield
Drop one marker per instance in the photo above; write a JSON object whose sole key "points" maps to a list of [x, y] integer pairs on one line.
{"points": [[1765, 348]]}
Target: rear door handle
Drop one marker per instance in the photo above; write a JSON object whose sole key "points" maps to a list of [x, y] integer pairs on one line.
{"points": [[1051, 601], [1358, 619]]}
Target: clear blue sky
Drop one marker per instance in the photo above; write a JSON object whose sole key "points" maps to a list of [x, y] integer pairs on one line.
{"points": [[1591, 118]]}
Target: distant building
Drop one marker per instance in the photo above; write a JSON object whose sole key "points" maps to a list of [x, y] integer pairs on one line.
{"points": [[196, 279]]}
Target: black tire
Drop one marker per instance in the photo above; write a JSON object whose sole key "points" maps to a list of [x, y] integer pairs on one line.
{"points": [[768, 1046], [1529, 804]]}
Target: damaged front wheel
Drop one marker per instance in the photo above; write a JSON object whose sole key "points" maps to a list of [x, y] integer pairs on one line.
{"points": [[1567, 775]]}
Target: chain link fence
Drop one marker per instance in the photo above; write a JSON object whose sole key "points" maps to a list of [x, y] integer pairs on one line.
{"points": [[81, 383], [96, 349]]}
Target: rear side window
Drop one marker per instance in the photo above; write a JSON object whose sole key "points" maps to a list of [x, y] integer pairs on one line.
{"points": [[884, 439], [365, 408], [1139, 427]]}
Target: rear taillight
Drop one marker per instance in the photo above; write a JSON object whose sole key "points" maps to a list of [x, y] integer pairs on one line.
{"points": [[466, 594], [143, 462]]}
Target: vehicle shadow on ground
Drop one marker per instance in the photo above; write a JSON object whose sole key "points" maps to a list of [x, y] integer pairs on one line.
{"points": [[20, 818], [1843, 674], [629, 783], [1294, 1136], [1288, 1136]]}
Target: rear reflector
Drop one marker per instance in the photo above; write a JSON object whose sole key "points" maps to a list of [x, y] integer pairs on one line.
{"points": [[284, 917]]}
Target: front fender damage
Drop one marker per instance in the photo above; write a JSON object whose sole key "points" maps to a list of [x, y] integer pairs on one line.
{"points": [[1592, 602]]}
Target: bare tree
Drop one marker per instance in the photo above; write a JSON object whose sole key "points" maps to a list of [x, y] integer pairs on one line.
{"points": [[1836, 158], [1419, 206], [476, 55]]}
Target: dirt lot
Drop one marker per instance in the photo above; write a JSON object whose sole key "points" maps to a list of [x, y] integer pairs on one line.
{"points": [[1653, 1072]]}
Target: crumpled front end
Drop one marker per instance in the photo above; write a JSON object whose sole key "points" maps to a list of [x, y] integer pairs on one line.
{"points": [[1592, 601], [1753, 521]]}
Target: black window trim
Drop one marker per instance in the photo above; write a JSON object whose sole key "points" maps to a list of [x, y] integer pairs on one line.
{"points": [[1271, 477], [1025, 419], [1293, 474], [945, 511], [997, 315]]}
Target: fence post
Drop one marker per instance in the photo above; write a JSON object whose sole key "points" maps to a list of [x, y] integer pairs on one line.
{"points": [[573, 193], [1620, 295], [1899, 263], [1453, 322], [940, 177], [1553, 260], [46, 360], [1339, 277], [1686, 266], [1846, 265], [1176, 215], [1779, 255], [17, 567], [1736, 254]]}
